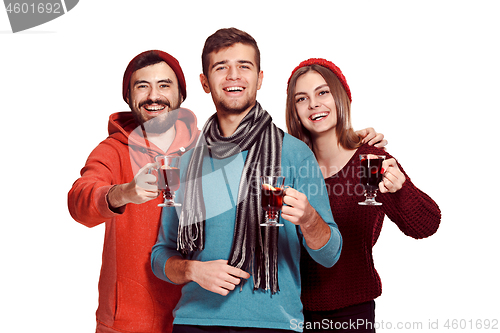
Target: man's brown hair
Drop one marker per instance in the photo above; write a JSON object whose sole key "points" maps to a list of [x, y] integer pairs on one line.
{"points": [[224, 38]]}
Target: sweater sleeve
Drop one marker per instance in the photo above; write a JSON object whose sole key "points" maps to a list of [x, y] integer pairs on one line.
{"points": [[308, 179], [329, 254], [87, 199], [413, 211], [166, 244]]}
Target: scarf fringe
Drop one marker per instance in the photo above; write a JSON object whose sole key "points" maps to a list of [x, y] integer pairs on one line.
{"points": [[191, 235], [267, 279]]}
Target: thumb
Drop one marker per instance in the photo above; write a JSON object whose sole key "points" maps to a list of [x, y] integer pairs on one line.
{"points": [[144, 179], [146, 169]]}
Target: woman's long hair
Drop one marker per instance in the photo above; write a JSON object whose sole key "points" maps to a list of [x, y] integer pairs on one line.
{"points": [[345, 134]]}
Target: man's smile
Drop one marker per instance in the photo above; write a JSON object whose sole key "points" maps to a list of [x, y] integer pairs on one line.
{"points": [[234, 89], [154, 107]]}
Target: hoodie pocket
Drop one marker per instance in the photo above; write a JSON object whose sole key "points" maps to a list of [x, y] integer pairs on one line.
{"points": [[134, 307]]}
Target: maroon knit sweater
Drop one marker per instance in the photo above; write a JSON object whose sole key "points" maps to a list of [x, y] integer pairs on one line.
{"points": [[353, 279]]}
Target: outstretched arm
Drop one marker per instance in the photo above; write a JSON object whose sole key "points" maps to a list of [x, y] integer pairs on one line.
{"points": [[97, 196], [141, 189]]}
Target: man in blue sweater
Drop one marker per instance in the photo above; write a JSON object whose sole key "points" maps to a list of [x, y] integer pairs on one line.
{"points": [[239, 275]]}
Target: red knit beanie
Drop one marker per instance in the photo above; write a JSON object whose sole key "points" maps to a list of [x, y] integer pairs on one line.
{"points": [[171, 61], [327, 64]]}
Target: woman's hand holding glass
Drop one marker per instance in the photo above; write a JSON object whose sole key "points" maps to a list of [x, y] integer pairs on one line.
{"points": [[393, 179]]}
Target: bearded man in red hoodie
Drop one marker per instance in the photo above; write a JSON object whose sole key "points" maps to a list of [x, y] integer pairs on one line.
{"points": [[116, 188]]}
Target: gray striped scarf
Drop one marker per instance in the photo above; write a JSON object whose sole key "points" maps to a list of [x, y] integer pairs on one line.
{"points": [[253, 246]]}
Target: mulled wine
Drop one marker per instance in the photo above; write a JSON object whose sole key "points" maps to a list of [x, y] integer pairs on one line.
{"points": [[370, 177], [272, 192], [168, 178], [272, 198], [370, 172]]}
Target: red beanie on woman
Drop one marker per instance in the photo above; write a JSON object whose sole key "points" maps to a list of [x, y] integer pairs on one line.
{"points": [[327, 64]]}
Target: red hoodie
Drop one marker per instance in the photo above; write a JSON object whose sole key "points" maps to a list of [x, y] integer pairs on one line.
{"points": [[131, 298]]}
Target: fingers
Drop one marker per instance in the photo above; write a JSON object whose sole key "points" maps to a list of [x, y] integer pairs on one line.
{"points": [[377, 140], [381, 144], [385, 185], [364, 134], [290, 192], [297, 209], [387, 163], [291, 214], [236, 273], [219, 277], [361, 133], [145, 180], [294, 198], [146, 169], [393, 179], [368, 135], [226, 284], [390, 181]]}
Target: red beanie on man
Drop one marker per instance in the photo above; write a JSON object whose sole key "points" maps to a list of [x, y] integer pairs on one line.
{"points": [[171, 61]]}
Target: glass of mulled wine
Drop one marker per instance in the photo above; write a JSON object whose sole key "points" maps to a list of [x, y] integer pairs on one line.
{"points": [[169, 179], [272, 192], [370, 177]]}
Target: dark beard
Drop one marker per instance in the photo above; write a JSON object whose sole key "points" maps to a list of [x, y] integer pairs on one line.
{"points": [[162, 123]]}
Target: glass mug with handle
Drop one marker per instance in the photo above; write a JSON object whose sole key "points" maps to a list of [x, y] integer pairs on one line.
{"points": [[371, 176], [272, 192], [168, 178]]}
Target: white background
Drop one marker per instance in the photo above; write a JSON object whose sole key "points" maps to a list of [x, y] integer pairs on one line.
{"points": [[424, 73]]}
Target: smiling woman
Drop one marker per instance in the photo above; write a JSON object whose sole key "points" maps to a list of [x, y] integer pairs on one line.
{"points": [[314, 102], [318, 112], [327, 85]]}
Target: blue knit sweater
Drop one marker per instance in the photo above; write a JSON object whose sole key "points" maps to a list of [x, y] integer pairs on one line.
{"points": [[244, 307]]}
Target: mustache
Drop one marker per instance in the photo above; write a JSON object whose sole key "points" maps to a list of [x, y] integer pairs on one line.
{"points": [[160, 101]]}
